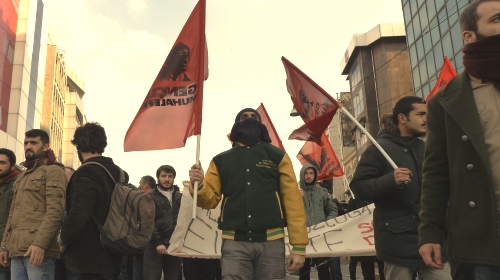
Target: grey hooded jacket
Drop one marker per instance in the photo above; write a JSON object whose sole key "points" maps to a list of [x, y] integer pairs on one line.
{"points": [[318, 204]]}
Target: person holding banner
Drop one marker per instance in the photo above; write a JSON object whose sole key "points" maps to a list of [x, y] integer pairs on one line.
{"points": [[396, 193], [319, 208], [167, 200], [461, 174], [260, 196]]}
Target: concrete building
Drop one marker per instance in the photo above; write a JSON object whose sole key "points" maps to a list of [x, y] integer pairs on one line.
{"points": [[73, 117], [23, 69], [433, 32], [38, 89], [54, 98], [335, 133], [377, 66]]}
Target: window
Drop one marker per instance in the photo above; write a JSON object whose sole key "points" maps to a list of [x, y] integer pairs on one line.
{"points": [[406, 12], [447, 46], [359, 103], [355, 76]]}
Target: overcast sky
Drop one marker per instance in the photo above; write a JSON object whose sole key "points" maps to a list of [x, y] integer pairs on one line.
{"points": [[117, 48]]}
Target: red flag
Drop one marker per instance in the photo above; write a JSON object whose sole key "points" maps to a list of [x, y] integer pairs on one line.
{"points": [[172, 108], [322, 157], [275, 139], [315, 106], [447, 73]]}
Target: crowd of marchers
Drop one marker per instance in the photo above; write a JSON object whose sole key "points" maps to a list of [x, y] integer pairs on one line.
{"points": [[437, 208]]}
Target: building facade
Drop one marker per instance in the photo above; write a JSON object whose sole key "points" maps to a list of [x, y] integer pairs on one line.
{"points": [[54, 94], [433, 32], [21, 101], [377, 66], [73, 117], [38, 89]]}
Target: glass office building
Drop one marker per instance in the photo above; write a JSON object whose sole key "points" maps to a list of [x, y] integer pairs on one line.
{"points": [[433, 32]]}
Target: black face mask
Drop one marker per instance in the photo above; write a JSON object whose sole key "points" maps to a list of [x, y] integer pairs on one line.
{"points": [[248, 132]]}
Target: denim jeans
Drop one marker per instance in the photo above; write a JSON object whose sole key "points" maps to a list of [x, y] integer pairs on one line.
{"points": [[398, 272], [322, 266], [4, 275], [155, 264], [137, 266], [486, 272], [21, 269], [335, 272], [244, 260]]}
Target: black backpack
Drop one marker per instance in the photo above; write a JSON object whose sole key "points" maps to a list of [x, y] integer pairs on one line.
{"points": [[130, 221]]}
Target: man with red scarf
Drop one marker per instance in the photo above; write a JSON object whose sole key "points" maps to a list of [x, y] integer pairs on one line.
{"points": [[8, 175], [30, 238], [460, 204]]}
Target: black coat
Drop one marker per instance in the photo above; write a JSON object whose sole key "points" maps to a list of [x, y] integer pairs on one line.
{"points": [[89, 193], [165, 216], [396, 214]]}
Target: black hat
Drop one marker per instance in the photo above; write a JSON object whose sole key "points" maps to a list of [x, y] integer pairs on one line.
{"points": [[247, 110]]}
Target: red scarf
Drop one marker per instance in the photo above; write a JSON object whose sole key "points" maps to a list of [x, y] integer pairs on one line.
{"points": [[482, 59], [12, 174], [47, 156]]}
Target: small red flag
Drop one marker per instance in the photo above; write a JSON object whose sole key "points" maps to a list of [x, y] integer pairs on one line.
{"points": [[322, 157], [447, 73], [172, 108], [315, 106], [276, 141]]}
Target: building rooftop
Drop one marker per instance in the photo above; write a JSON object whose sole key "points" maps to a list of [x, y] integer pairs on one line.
{"points": [[74, 82], [368, 38]]}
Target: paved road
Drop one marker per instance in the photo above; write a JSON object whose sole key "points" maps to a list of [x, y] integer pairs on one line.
{"points": [[344, 267]]}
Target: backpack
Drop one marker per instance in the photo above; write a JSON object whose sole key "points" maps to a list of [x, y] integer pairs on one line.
{"points": [[130, 221]]}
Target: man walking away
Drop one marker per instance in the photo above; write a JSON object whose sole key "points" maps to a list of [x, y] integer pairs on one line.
{"points": [[88, 201]]}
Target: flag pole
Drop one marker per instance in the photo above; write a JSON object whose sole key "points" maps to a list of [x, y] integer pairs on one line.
{"points": [[370, 137], [195, 193]]}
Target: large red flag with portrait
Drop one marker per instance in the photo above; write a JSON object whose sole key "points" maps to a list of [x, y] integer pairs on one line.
{"points": [[315, 106], [275, 139], [445, 76], [322, 157], [171, 111]]}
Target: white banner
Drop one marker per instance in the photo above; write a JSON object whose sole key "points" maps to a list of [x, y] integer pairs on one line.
{"points": [[347, 235]]}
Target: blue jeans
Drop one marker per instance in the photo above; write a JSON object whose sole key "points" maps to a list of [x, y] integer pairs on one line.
{"points": [[486, 272], [244, 260], [335, 272], [137, 264], [21, 269], [4, 275]]}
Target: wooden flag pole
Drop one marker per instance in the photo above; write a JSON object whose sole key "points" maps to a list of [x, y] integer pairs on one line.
{"points": [[195, 187], [370, 137], [347, 182]]}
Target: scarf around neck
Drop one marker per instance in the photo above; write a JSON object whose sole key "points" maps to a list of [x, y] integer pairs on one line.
{"points": [[48, 157], [482, 59]]}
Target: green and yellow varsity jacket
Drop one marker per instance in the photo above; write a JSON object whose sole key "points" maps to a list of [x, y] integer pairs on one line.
{"points": [[260, 195]]}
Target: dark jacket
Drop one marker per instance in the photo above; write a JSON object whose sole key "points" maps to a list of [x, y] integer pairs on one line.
{"points": [[89, 193], [396, 214], [457, 192], [259, 195], [5, 202], [318, 203], [166, 215]]}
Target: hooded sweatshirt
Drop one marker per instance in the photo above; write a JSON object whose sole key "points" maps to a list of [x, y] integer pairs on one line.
{"points": [[318, 204]]}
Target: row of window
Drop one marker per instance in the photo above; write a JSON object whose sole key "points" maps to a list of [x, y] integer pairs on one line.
{"points": [[427, 51]]}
